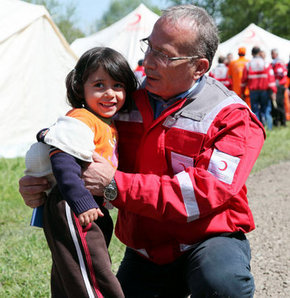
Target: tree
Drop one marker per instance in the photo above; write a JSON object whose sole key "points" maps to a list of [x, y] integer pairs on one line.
{"points": [[271, 15], [63, 16], [233, 16], [120, 8]]}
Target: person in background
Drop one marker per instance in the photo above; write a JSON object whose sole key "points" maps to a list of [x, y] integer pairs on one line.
{"points": [[185, 152], [139, 71], [280, 73], [235, 72], [288, 76], [77, 226], [229, 59], [262, 54], [258, 76], [220, 73]]}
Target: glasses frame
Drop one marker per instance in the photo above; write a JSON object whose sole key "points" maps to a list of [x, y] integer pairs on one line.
{"points": [[163, 56]]}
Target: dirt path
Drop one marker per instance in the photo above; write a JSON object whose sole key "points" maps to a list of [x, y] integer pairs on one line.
{"points": [[269, 199]]}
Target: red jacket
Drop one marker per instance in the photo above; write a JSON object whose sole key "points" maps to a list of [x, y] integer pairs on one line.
{"points": [[185, 172], [280, 71], [220, 73], [258, 75]]}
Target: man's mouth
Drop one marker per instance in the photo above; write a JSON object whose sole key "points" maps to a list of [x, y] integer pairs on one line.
{"points": [[152, 78]]}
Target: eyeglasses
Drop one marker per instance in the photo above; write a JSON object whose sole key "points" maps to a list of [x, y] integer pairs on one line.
{"points": [[160, 57]]}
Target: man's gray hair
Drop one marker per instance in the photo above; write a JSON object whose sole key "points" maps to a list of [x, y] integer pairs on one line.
{"points": [[206, 39]]}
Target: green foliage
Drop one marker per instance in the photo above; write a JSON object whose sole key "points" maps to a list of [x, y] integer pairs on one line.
{"points": [[269, 14], [275, 149], [63, 17], [24, 255], [233, 16]]}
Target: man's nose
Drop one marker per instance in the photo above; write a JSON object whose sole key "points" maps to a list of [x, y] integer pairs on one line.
{"points": [[149, 61]]}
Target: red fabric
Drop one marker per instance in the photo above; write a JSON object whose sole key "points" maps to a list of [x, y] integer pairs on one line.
{"points": [[220, 73], [280, 71], [258, 75], [140, 69], [152, 212]]}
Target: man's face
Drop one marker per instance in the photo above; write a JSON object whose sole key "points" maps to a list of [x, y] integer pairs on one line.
{"points": [[172, 77], [274, 54]]}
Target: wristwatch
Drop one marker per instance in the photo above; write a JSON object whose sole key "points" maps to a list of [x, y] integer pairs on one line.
{"points": [[111, 191]]}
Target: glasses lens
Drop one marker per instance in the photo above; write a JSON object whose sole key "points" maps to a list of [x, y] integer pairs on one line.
{"points": [[158, 56], [144, 46]]}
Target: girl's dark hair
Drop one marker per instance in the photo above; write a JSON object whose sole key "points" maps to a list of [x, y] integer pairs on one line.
{"points": [[113, 63]]}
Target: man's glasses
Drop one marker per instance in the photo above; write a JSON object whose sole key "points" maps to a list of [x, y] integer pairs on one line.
{"points": [[146, 48]]}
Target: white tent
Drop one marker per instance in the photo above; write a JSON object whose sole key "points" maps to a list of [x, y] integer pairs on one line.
{"points": [[123, 36], [252, 36], [35, 59]]}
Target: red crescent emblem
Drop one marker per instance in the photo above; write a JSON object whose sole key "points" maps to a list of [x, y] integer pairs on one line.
{"points": [[250, 34], [136, 21], [183, 166], [225, 166]]}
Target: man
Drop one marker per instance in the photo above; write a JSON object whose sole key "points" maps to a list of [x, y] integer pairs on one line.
{"points": [[185, 153], [236, 68], [258, 76], [229, 59], [220, 73], [280, 73], [139, 71]]}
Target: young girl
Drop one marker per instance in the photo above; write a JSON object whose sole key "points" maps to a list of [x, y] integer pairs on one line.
{"points": [[77, 227]]}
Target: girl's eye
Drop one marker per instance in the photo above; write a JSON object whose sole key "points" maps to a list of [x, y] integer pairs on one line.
{"points": [[119, 85], [99, 85]]}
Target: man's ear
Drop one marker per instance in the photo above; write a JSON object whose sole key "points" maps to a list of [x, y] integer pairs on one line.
{"points": [[201, 67]]}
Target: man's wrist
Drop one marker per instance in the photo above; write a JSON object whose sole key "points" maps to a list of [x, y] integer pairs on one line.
{"points": [[111, 190]]}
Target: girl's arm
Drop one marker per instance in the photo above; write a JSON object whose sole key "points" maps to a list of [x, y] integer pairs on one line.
{"points": [[67, 171]]}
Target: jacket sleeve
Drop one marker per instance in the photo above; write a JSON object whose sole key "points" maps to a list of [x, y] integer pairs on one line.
{"points": [[271, 79], [67, 172], [218, 175]]}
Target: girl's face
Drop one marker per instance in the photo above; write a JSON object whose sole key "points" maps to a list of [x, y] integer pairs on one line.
{"points": [[104, 96]]}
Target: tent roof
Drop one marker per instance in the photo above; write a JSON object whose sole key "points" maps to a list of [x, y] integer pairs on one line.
{"points": [[123, 36], [35, 59], [252, 36]]}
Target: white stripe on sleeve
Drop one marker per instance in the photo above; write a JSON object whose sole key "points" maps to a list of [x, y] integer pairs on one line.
{"points": [[188, 195]]}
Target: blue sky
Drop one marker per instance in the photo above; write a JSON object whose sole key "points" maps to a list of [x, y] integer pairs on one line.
{"points": [[89, 11]]}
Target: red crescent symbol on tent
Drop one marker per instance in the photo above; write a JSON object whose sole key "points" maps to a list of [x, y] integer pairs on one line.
{"points": [[225, 166], [250, 34], [137, 20]]}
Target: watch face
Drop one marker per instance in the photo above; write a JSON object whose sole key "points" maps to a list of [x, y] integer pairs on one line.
{"points": [[110, 192]]}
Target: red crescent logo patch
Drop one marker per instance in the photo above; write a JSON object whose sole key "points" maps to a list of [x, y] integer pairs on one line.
{"points": [[183, 166], [225, 166]]}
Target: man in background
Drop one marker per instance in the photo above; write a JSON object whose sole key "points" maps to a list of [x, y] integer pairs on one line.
{"points": [[139, 71], [235, 71], [220, 73], [258, 76], [280, 73]]}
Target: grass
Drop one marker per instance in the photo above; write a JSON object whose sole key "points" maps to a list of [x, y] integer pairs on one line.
{"points": [[24, 256]]}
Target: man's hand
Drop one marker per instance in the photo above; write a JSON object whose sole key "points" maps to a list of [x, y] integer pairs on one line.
{"points": [[89, 216], [98, 174], [32, 190], [273, 98]]}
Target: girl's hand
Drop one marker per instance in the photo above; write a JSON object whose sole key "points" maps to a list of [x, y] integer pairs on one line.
{"points": [[89, 216]]}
